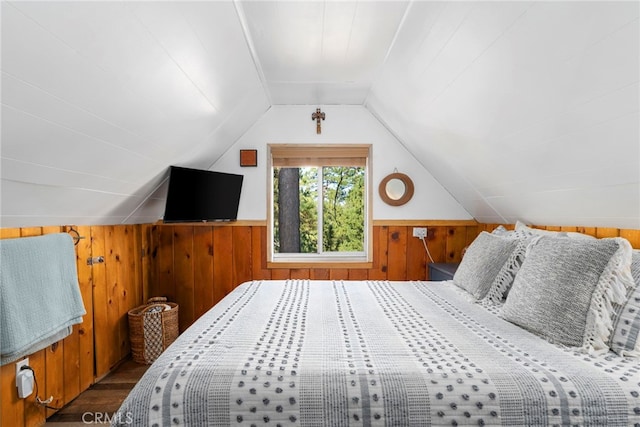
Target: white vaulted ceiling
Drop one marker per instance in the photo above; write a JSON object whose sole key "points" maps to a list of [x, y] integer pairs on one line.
{"points": [[520, 110]]}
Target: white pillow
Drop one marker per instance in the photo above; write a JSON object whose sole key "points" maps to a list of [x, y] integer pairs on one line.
{"points": [[537, 232]]}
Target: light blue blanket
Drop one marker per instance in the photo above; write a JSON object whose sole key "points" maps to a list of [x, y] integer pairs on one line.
{"points": [[39, 293]]}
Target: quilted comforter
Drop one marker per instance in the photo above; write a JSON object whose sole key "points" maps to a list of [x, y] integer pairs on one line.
{"points": [[337, 353]]}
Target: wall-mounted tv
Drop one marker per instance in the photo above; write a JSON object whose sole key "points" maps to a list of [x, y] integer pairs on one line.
{"points": [[202, 195]]}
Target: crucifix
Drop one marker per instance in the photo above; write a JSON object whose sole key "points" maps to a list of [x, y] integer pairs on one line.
{"points": [[317, 116]]}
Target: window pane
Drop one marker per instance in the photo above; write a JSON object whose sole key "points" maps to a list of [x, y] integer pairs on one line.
{"points": [[295, 211], [343, 209]]}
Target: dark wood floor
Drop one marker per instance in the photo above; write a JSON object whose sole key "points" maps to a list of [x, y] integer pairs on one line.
{"points": [[100, 401]]}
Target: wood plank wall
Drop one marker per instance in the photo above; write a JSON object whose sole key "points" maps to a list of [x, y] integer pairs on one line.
{"points": [[633, 236], [101, 341], [196, 266]]}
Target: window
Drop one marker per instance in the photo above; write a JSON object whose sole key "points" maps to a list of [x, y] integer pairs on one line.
{"points": [[319, 204]]}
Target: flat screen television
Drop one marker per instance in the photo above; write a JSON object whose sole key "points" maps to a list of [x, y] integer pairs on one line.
{"points": [[202, 195]]}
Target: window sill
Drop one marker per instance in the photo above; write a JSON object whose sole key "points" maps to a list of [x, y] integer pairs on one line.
{"points": [[319, 264]]}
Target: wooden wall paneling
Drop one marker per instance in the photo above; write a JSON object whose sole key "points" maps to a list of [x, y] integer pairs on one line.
{"points": [[456, 241], [241, 237], [416, 257], [132, 296], [34, 414], [71, 345], [280, 273], [54, 360], [300, 273], [145, 264], [11, 407], [259, 268], [137, 259], [602, 232], [437, 243], [104, 345], [155, 263], [120, 248], [165, 278], [30, 231], [115, 287], [633, 236], [486, 227], [319, 274], [339, 274], [71, 366], [85, 329], [358, 274], [222, 262], [54, 382], [472, 233], [397, 269], [202, 270], [108, 290], [184, 276], [380, 253]]}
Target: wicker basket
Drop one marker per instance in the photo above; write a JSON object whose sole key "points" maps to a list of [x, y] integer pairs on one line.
{"points": [[152, 328]]}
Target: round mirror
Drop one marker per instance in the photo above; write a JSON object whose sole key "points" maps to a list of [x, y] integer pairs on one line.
{"points": [[396, 189]]}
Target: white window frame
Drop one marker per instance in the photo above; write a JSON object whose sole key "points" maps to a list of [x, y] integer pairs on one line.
{"points": [[301, 155]]}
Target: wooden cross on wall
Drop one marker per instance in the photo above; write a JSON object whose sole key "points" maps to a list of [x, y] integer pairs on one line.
{"points": [[317, 116]]}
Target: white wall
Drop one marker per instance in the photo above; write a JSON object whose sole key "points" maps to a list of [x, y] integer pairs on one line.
{"points": [[523, 110], [343, 124]]}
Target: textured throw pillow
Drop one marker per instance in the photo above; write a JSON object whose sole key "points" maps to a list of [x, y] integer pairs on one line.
{"points": [[626, 327], [565, 289], [499, 289], [482, 262]]}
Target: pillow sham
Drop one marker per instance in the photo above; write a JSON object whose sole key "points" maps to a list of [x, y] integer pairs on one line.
{"points": [[565, 289], [482, 262], [520, 226], [626, 325]]}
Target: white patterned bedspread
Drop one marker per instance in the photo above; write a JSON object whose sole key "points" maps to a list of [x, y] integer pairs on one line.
{"points": [[337, 353]]}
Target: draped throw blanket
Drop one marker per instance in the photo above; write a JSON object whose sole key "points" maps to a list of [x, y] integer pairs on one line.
{"points": [[40, 296]]}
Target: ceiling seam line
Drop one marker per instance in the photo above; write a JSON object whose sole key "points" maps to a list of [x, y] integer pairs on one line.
{"points": [[63, 169], [79, 108], [470, 64], [389, 49], [252, 49], [568, 110], [60, 125], [70, 187], [89, 61], [175, 62]]}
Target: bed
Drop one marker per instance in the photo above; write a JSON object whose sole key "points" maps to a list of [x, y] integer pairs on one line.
{"points": [[374, 353]]}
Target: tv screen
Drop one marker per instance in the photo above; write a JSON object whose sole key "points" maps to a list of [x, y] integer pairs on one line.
{"points": [[202, 195]]}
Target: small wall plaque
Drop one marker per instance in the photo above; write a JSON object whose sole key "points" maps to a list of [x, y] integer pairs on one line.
{"points": [[248, 157]]}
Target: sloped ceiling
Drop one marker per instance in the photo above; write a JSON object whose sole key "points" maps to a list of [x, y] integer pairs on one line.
{"points": [[521, 110]]}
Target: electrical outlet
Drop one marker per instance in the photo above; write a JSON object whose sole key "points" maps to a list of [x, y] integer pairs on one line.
{"points": [[420, 232], [20, 364]]}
